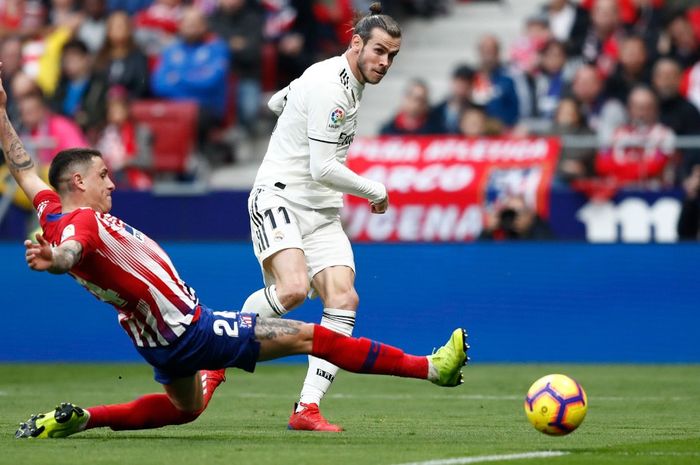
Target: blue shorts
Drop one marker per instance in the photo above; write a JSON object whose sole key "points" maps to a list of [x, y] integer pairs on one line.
{"points": [[216, 340]]}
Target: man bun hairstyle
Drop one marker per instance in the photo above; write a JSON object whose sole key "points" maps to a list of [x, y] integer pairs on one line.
{"points": [[364, 25], [67, 160]]}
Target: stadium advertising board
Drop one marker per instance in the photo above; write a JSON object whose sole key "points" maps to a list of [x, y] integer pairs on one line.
{"points": [[441, 188]]}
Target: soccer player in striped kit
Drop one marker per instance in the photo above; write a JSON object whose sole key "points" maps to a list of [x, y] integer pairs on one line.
{"points": [[294, 206], [188, 345]]}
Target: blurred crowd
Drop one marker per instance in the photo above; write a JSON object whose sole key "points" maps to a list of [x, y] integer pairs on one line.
{"points": [[621, 77], [625, 73], [74, 69]]}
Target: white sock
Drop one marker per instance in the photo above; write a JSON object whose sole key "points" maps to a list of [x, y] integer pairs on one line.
{"points": [[265, 303], [321, 374]]}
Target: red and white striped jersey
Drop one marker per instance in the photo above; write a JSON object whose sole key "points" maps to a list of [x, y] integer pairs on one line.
{"points": [[122, 266]]}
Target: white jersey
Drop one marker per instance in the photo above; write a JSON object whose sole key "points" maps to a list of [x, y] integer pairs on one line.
{"points": [[317, 111]]}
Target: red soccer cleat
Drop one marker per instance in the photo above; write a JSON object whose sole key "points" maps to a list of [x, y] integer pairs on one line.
{"points": [[211, 380], [310, 419]]}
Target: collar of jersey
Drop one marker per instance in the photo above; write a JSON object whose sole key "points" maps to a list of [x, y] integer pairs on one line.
{"points": [[353, 80], [54, 216]]}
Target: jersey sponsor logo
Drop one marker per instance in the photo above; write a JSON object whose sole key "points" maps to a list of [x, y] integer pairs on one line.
{"points": [[68, 231], [336, 119], [345, 139]]}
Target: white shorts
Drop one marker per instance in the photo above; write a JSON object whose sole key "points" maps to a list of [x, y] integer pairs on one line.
{"points": [[277, 224]]}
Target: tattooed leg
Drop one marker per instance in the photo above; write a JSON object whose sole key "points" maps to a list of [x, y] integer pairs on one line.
{"points": [[279, 338]]}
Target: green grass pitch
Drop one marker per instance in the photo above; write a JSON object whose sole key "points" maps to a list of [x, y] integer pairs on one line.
{"points": [[648, 414]]}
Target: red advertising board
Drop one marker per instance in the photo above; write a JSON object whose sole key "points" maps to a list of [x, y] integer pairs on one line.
{"points": [[440, 187]]}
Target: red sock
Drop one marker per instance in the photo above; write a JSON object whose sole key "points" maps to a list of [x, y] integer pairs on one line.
{"points": [[152, 410], [366, 356]]}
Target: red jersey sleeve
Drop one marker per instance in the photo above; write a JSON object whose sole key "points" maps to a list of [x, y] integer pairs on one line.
{"points": [[82, 227], [46, 202], [79, 225]]}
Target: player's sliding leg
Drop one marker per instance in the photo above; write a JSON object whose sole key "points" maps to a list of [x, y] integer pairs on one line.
{"points": [[185, 400], [279, 338]]}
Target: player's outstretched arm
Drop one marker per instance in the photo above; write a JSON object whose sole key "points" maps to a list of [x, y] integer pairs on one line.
{"points": [[17, 159], [41, 256], [327, 170]]}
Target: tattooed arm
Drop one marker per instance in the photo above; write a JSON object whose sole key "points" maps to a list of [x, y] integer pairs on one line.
{"points": [[279, 338], [57, 260], [17, 159]]}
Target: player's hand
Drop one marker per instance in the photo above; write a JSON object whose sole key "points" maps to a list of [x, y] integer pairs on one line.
{"points": [[39, 255], [380, 207]]}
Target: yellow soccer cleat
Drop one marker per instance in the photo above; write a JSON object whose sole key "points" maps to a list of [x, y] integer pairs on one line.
{"points": [[63, 421], [446, 363]]}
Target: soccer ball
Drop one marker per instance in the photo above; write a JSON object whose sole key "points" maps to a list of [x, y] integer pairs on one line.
{"points": [[556, 405]]}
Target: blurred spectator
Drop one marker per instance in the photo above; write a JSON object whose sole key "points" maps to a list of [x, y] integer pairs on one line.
{"points": [[640, 149], [444, 117], [513, 219], [156, 27], [474, 122], [601, 114], [11, 59], [689, 219], [647, 23], [333, 18], [20, 86], [124, 144], [492, 86], [42, 48], [21, 17], [412, 117], [690, 85], [568, 23], [131, 7], [524, 53], [601, 44], [574, 163], [93, 29], [685, 46], [65, 13], [675, 111], [551, 80], [195, 67], [240, 24], [296, 37], [632, 69], [81, 93], [121, 60], [45, 133]]}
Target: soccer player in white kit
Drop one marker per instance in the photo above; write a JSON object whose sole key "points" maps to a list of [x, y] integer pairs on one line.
{"points": [[295, 203]]}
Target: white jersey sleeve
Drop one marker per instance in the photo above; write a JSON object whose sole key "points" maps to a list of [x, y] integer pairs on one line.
{"points": [[327, 170], [328, 108]]}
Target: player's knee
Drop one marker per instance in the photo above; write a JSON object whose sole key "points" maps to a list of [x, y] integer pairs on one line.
{"points": [[293, 293], [346, 299]]}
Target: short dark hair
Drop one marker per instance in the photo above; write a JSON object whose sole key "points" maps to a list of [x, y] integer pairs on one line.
{"points": [[76, 45], [375, 19], [464, 72], [67, 160]]}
